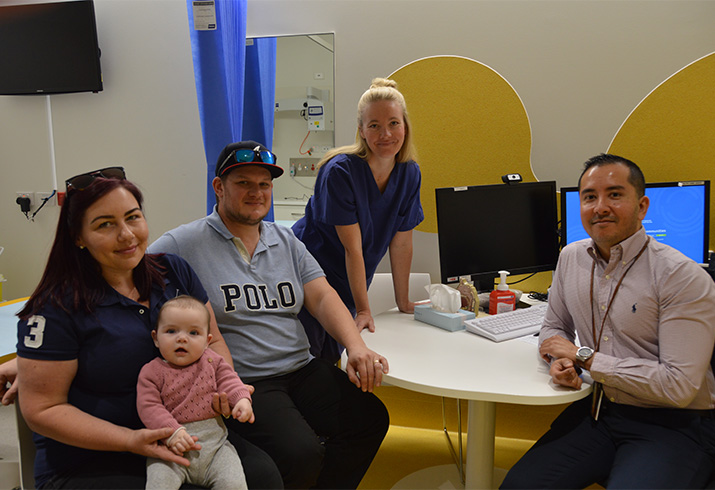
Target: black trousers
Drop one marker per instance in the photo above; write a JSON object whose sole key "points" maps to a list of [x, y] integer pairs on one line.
{"points": [[128, 471], [319, 428], [628, 447]]}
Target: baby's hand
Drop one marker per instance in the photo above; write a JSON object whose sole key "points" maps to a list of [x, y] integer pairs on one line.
{"points": [[243, 411], [181, 442]]}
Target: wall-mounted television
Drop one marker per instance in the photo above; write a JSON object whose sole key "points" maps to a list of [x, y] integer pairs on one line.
{"points": [[48, 48], [483, 229], [678, 215]]}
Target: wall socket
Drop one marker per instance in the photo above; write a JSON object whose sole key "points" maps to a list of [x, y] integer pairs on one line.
{"points": [[31, 195]]}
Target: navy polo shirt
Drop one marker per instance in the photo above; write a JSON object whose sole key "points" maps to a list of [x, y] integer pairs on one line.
{"points": [[111, 344]]}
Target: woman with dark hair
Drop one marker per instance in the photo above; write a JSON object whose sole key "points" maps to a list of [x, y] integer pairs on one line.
{"points": [[85, 333]]}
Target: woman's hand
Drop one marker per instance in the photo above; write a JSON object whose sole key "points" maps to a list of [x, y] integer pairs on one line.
{"points": [[8, 374], [408, 307], [364, 320], [146, 442]]}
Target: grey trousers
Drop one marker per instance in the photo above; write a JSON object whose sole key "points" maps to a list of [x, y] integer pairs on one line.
{"points": [[216, 465]]}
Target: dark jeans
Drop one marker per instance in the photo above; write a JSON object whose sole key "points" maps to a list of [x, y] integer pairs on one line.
{"points": [[128, 471], [319, 428], [628, 447]]}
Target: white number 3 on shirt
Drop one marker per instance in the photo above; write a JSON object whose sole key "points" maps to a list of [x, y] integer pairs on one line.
{"points": [[37, 331]]}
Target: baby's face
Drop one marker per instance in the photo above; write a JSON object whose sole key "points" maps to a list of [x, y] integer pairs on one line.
{"points": [[181, 335]]}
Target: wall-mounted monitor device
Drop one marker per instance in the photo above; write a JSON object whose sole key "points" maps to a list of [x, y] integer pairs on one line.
{"points": [[678, 215], [48, 48], [487, 228]]}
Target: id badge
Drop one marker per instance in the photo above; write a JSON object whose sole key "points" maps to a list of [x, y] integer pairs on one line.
{"points": [[597, 398]]}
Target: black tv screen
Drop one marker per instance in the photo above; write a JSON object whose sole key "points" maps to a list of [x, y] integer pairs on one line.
{"points": [[49, 48], [483, 229]]}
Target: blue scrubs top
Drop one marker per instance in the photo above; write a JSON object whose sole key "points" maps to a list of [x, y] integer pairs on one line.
{"points": [[346, 193], [111, 345]]}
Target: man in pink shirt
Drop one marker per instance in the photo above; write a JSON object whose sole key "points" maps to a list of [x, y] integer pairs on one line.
{"points": [[645, 318], [176, 390]]}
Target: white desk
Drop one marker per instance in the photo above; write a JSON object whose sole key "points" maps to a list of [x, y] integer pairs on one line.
{"points": [[8, 327], [462, 365]]}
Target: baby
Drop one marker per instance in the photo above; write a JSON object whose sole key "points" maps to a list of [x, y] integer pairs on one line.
{"points": [[177, 392]]}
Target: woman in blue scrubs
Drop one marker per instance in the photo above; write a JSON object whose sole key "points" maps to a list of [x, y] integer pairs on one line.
{"points": [[366, 202]]}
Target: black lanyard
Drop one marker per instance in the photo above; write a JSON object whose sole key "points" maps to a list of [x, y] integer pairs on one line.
{"points": [[597, 340], [597, 387]]}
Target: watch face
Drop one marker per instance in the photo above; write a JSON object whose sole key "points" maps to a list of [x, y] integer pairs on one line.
{"points": [[584, 353]]}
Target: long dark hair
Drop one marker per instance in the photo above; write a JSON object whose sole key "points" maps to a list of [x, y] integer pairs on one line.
{"points": [[72, 279]]}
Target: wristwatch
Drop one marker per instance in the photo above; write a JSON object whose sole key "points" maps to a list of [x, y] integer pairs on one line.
{"points": [[583, 354]]}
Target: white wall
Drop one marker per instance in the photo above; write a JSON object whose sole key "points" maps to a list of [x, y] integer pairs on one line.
{"points": [[579, 66], [146, 119]]}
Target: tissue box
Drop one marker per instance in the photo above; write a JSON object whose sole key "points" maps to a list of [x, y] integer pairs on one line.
{"points": [[448, 321]]}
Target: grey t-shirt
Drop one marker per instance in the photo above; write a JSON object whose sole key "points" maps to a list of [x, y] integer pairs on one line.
{"points": [[257, 303]]}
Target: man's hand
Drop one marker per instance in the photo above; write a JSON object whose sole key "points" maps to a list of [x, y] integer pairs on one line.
{"points": [[557, 347], [243, 411], [220, 402], [563, 372], [365, 368]]}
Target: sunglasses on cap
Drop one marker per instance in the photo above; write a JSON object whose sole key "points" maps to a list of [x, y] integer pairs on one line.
{"points": [[245, 155], [82, 181]]}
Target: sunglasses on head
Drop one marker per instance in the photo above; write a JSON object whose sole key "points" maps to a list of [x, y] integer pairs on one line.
{"points": [[244, 155], [82, 181]]}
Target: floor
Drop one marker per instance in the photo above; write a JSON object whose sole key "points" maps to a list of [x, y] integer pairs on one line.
{"points": [[414, 459]]}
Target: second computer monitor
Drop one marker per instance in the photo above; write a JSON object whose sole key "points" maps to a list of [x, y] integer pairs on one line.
{"points": [[483, 229], [678, 215]]}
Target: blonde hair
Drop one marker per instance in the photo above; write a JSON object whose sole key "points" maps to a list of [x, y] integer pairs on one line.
{"points": [[380, 89]]}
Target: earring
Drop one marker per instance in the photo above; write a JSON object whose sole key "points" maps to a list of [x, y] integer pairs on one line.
{"points": [[81, 247]]}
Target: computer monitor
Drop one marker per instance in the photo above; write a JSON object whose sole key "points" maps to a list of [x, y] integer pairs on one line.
{"points": [[678, 215], [483, 229]]}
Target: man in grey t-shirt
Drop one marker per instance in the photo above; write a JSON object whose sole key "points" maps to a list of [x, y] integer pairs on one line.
{"points": [[321, 426]]}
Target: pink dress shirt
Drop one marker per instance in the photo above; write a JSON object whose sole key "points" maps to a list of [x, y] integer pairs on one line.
{"points": [[658, 337]]}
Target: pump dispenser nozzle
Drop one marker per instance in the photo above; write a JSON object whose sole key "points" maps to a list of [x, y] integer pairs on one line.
{"points": [[501, 299], [503, 286]]}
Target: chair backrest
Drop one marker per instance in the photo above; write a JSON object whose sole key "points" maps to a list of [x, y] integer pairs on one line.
{"points": [[26, 450], [381, 294]]}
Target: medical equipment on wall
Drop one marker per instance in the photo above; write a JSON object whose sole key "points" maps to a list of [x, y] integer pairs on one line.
{"points": [[311, 107]]}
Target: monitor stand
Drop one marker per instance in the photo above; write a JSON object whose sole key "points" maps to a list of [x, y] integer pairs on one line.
{"points": [[484, 283]]}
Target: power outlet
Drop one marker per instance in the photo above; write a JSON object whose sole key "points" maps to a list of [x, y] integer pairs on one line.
{"points": [[41, 196], [31, 195]]}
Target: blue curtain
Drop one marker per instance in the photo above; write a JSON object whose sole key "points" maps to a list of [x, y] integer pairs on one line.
{"points": [[235, 85]]}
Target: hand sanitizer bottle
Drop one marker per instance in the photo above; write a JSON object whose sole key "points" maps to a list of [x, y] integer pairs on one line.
{"points": [[502, 299]]}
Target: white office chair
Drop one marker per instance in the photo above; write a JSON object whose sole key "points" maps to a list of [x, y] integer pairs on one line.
{"points": [[381, 293], [26, 448]]}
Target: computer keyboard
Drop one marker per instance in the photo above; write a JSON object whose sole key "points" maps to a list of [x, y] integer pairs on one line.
{"points": [[510, 324]]}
